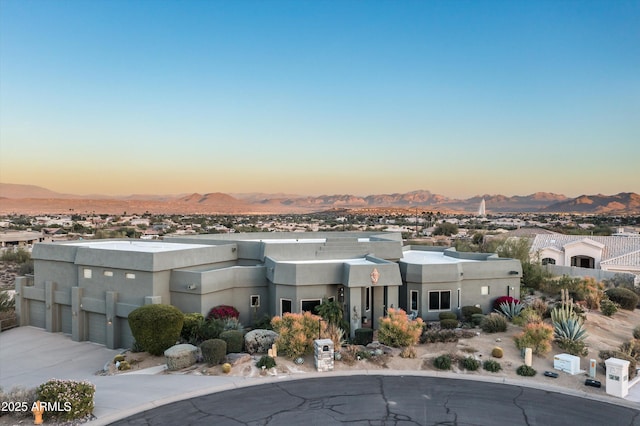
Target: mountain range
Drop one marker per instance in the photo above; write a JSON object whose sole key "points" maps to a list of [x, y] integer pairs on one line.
{"points": [[30, 199]]}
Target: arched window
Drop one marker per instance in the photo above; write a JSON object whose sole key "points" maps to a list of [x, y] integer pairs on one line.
{"points": [[548, 261]]}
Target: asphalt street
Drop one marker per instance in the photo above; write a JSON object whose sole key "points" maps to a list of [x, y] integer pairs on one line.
{"points": [[387, 400]]}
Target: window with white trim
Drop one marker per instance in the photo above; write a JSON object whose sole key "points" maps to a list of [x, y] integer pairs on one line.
{"points": [[485, 290], [367, 299], [285, 306], [87, 273], [309, 305], [440, 300], [130, 276], [108, 273], [255, 301]]}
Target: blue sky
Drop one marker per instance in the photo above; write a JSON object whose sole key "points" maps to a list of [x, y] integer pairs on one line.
{"points": [[321, 97]]}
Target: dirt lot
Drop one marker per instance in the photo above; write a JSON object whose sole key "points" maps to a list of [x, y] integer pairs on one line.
{"points": [[603, 333]]}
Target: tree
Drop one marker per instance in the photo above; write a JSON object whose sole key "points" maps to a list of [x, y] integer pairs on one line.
{"points": [[446, 228]]}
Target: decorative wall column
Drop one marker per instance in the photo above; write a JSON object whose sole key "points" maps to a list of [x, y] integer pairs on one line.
{"points": [[21, 305], [52, 317], [110, 312]]}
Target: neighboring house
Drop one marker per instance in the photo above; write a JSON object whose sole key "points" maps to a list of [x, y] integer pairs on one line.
{"points": [[614, 254], [23, 239], [88, 288]]}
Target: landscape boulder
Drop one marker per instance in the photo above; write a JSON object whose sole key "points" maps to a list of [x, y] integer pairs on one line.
{"points": [[259, 341], [181, 356]]}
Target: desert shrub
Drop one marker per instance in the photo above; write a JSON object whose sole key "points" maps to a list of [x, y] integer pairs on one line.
{"points": [[118, 358], [190, 325], [226, 368], [124, 365], [443, 362], [525, 370], [510, 310], [73, 397], [627, 299], [494, 323], [208, 329], [397, 330], [636, 332], [232, 324], [156, 327], [540, 307], [608, 307], [19, 255], [7, 302], [631, 348], [470, 363], [605, 355], [21, 395], [223, 312], [476, 319], [492, 366], [331, 312], [234, 340], [503, 299], [363, 336], [497, 352], [266, 361], [296, 332], [468, 311], [538, 337], [408, 352], [527, 315], [214, 351], [263, 323], [447, 315], [445, 336], [449, 324], [573, 347]]}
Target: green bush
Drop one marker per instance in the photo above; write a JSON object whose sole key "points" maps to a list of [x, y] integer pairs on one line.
{"points": [[605, 355], [468, 312], [494, 323], [74, 399], [363, 336], [470, 363], [573, 347], [492, 366], [476, 319], [448, 324], [156, 327], [636, 332], [443, 362], [627, 299], [7, 303], [447, 315], [525, 370], [192, 322], [209, 329], [266, 361], [608, 307], [214, 351], [234, 339]]}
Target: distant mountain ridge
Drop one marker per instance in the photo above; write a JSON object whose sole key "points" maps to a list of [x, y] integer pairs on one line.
{"points": [[31, 199]]}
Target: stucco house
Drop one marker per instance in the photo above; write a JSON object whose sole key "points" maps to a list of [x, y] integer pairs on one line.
{"points": [[88, 288], [614, 254]]}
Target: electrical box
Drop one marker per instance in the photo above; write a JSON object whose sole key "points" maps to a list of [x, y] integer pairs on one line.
{"points": [[567, 363], [592, 368]]}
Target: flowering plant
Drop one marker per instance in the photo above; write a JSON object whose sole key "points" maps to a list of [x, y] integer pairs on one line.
{"points": [[223, 312]]}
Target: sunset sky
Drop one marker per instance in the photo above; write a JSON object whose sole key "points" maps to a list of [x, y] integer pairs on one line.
{"points": [[321, 97]]}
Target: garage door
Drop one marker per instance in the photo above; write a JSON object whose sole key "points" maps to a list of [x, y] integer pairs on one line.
{"points": [[65, 319], [97, 328], [36, 314]]}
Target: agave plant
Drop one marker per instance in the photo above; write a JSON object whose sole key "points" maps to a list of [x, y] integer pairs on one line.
{"points": [[570, 329], [510, 310]]}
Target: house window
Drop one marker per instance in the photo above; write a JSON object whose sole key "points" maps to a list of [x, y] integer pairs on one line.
{"points": [[130, 276], [548, 261], [367, 299], [440, 300], [108, 273], [414, 300], [255, 301], [309, 305], [485, 290], [87, 273], [285, 306]]}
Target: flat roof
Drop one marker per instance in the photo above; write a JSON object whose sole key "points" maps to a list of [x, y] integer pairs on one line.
{"points": [[298, 240], [138, 246], [430, 258], [358, 261]]}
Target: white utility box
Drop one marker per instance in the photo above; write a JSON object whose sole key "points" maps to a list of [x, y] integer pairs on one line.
{"points": [[617, 377], [567, 363]]}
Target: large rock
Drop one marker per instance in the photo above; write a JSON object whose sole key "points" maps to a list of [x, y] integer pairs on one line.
{"points": [[238, 358], [259, 341], [181, 356]]}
